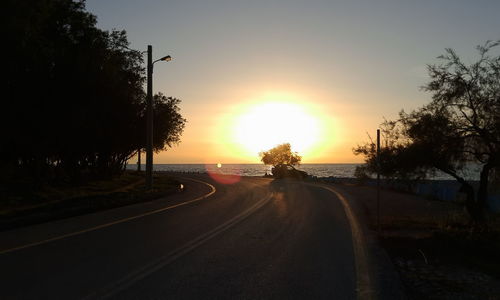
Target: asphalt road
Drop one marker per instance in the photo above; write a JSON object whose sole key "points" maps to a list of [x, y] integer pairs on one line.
{"points": [[254, 239]]}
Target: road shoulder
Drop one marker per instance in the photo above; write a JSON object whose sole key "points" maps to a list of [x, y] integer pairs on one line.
{"points": [[384, 280], [23, 237]]}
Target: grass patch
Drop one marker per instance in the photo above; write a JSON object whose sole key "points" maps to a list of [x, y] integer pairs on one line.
{"points": [[449, 261], [478, 251], [33, 205]]}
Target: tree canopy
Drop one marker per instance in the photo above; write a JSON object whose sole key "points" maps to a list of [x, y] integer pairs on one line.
{"points": [[74, 94], [280, 155], [460, 126], [283, 161]]}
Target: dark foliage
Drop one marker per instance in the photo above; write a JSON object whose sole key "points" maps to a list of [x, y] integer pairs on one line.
{"points": [[280, 155], [283, 159], [287, 171], [169, 123], [73, 96], [460, 126]]}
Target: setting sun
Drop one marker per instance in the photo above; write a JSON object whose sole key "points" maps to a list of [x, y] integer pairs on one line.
{"points": [[268, 124]]}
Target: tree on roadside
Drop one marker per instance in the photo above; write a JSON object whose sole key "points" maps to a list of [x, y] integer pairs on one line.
{"points": [[169, 123], [283, 161], [74, 95], [459, 127]]}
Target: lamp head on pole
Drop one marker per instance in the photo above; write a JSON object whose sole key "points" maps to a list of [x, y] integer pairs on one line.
{"points": [[166, 58]]}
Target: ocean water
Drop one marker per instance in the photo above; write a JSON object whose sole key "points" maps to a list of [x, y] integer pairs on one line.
{"points": [[318, 170]]}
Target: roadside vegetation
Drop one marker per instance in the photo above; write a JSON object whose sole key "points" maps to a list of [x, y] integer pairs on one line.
{"points": [[443, 250], [74, 113], [432, 246], [31, 205], [442, 258], [74, 97], [459, 128], [283, 160]]}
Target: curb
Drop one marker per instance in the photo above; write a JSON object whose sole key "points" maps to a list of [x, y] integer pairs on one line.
{"points": [[385, 282]]}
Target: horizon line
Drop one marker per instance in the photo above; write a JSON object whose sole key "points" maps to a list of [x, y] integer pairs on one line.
{"points": [[233, 163]]}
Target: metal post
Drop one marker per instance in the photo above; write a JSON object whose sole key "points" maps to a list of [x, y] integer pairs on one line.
{"points": [[378, 180], [138, 160], [149, 112]]}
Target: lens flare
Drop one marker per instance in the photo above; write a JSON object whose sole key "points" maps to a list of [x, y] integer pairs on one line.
{"points": [[217, 173]]}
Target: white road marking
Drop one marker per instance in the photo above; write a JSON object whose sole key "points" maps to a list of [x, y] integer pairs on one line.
{"points": [[212, 191]]}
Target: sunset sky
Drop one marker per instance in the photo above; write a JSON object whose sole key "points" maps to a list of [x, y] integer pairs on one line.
{"points": [[317, 74]]}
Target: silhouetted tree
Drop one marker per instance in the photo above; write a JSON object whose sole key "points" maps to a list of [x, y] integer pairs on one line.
{"points": [[395, 160], [283, 161], [460, 126], [280, 155], [73, 99], [169, 123]]}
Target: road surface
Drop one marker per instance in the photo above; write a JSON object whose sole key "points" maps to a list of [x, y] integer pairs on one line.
{"points": [[254, 239]]}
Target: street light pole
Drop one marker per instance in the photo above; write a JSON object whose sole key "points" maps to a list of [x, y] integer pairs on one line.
{"points": [[149, 114], [378, 181], [138, 160]]}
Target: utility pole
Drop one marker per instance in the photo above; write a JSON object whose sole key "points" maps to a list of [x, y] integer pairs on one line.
{"points": [[378, 180], [138, 160], [149, 114]]}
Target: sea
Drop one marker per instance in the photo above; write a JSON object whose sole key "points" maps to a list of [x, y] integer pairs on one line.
{"points": [[318, 170]]}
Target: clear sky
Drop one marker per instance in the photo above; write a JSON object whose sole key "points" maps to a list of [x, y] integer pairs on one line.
{"points": [[326, 71]]}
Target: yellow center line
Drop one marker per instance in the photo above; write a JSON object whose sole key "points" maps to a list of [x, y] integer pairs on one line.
{"points": [[129, 279], [363, 274]]}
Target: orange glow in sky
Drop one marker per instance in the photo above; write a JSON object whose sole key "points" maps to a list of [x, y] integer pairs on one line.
{"points": [[271, 119], [318, 74], [268, 124]]}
